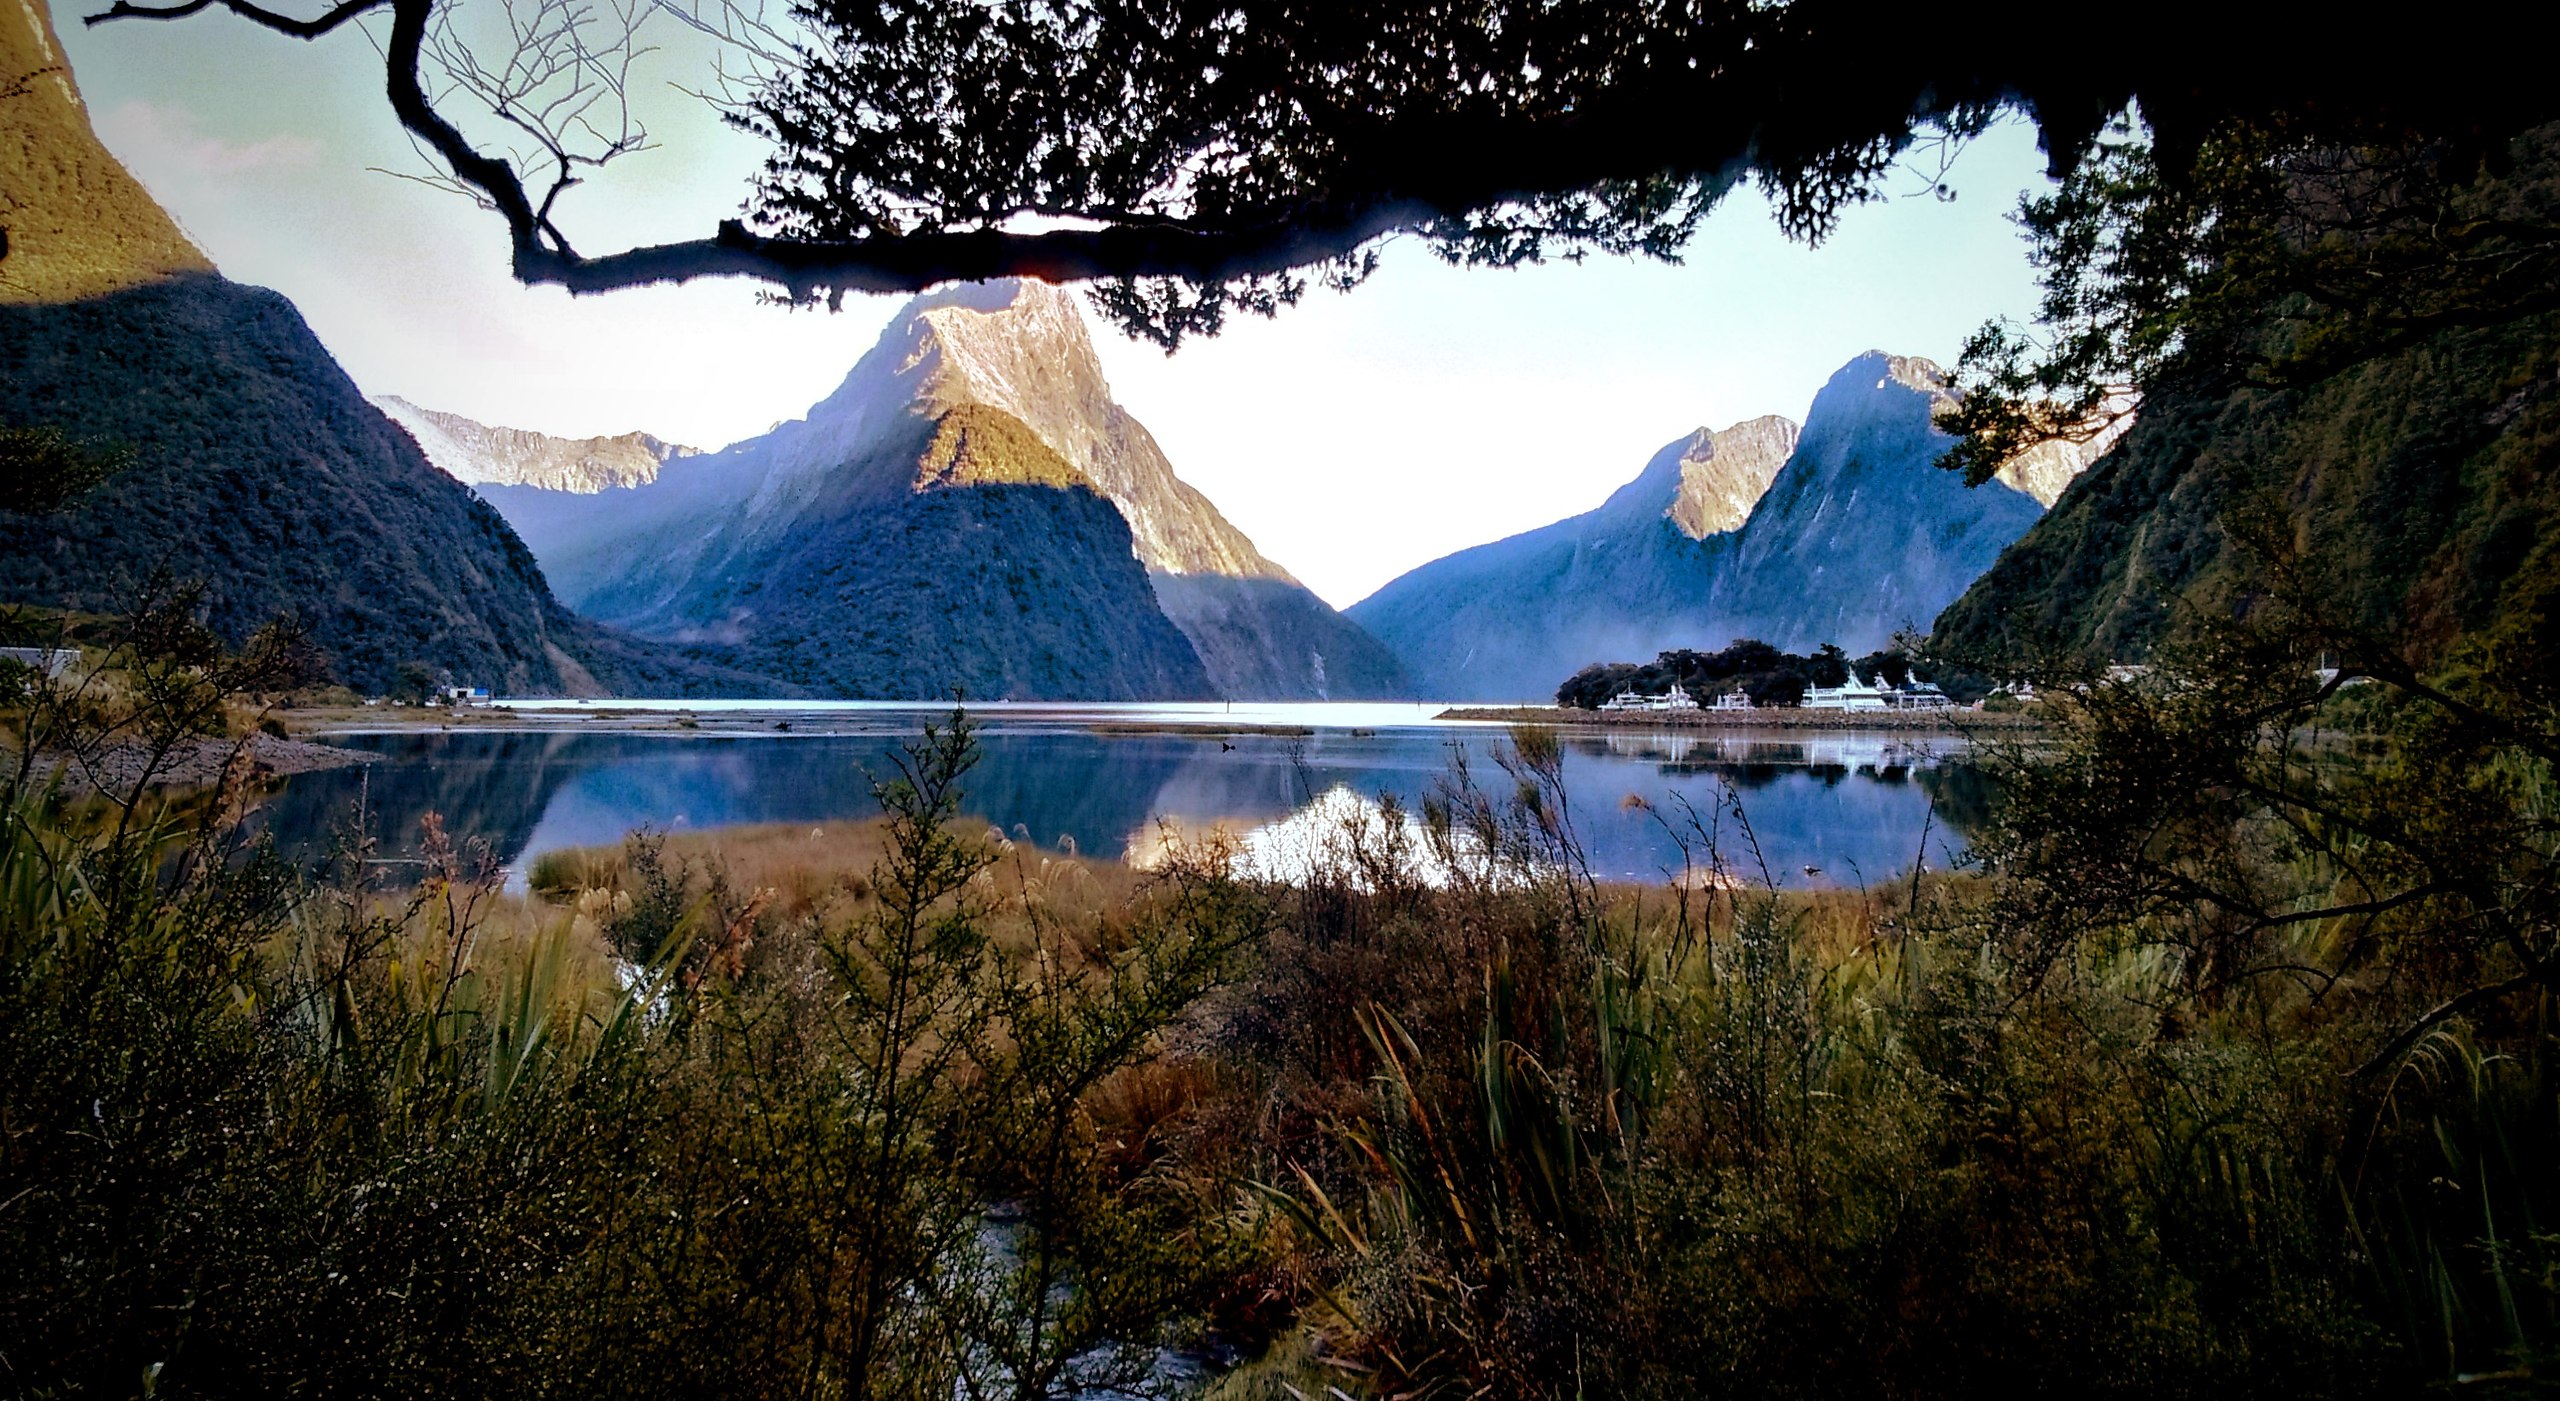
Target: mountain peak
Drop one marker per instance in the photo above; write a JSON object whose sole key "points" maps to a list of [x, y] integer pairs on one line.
{"points": [[1878, 370], [78, 224], [1016, 345], [1020, 347]]}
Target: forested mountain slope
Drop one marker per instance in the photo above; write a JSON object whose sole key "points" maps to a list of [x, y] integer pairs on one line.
{"points": [[256, 468], [259, 469], [2418, 490]]}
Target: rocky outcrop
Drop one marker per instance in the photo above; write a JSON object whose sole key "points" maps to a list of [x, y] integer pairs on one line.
{"points": [[477, 454], [1723, 475]]}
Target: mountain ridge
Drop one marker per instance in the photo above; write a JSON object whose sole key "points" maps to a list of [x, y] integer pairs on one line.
{"points": [[1843, 531], [475, 453], [990, 369]]}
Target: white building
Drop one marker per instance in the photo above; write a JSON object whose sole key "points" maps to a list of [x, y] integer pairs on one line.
{"points": [[52, 661], [1855, 694], [1852, 694], [1679, 699]]}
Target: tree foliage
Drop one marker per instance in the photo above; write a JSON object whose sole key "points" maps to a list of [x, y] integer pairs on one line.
{"points": [[2274, 255], [42, 469], [1202, 157]]}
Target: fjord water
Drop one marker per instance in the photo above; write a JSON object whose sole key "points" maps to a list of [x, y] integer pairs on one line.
{"points": [[1853, 807]]}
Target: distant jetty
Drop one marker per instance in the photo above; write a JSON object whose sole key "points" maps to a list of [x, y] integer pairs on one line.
{"points": [[1758, 718]]}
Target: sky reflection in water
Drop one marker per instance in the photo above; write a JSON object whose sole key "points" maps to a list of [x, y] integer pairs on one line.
{"points": [[1852, 806]]}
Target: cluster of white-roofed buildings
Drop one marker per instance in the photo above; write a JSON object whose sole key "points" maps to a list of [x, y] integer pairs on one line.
{"points": [[1851, 694]]}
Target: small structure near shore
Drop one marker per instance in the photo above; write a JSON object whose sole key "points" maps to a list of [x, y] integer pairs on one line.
{"points": [[49, 661], [1850, 694]]}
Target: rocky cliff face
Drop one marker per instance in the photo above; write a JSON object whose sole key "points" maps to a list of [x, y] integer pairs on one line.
{"points": [[1844, 533], [1710, 479], [476, 453], [983, 385]]}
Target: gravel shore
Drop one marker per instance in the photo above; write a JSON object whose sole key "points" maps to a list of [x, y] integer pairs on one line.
{"points": [[199, 763]]}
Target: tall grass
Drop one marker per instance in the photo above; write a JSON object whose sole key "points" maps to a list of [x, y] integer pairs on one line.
{"points": [[265, 1136], [2233, 1084]]}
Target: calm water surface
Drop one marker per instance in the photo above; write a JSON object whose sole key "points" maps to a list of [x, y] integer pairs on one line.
{"points": [[1851, 806]]}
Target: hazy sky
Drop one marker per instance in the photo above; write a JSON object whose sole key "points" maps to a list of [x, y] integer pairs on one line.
{"points": [[1353, 438]]}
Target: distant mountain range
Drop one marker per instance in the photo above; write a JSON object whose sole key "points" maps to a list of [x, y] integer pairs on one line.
{"points": [[1844, 532], [477, 454], [969, 509]]}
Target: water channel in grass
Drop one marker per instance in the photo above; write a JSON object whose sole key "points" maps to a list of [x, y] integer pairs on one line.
{"points": [[1827, 807]]}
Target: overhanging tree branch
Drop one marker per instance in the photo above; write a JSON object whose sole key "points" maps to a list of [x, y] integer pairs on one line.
{"points": [[256, 14], [1266, 139]]}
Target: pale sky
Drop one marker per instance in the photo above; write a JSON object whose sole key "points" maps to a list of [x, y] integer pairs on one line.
{"points": [[1353, 438]]}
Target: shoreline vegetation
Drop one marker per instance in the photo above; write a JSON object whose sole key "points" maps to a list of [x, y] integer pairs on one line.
{"points": [[1758, 718], [908, 1107], [357, 720]]}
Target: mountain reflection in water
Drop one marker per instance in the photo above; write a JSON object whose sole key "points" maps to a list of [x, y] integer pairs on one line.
{"points": [[1851, 806]]}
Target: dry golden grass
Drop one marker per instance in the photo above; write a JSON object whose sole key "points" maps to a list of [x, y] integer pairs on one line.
{"points": [[822, 871]]}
